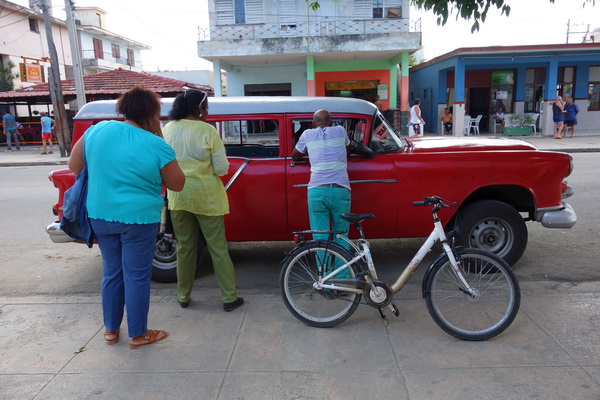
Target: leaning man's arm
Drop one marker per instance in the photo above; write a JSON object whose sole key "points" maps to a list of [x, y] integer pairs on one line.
{"points": [[297, 155]]}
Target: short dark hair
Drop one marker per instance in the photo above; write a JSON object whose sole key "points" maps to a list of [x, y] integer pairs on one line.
{"points": [[139, 105], [187, 103], [417, 101]]}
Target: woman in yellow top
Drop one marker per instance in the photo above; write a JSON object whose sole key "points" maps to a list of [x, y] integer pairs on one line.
{"points": [[203, 201]]}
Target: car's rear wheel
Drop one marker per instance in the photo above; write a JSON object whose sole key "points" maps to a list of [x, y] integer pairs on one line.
{"points": [[494, 226]]}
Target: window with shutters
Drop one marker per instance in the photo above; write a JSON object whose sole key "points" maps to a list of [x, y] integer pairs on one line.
{"points": [[239, 11], [224, 9], [391, 9]]}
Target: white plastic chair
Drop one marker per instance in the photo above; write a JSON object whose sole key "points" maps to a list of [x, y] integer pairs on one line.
{"points": [[466, 125], [474, 123]]}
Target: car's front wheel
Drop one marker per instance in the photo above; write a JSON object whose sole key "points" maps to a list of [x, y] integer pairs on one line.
{"points": [[164, 265], [494, 226]]}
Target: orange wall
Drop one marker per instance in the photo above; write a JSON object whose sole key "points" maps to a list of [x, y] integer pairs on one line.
{"points": [[382, 75]]}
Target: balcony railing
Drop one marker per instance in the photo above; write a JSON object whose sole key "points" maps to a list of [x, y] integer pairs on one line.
{"points": [[108, 58], [317, 27]]}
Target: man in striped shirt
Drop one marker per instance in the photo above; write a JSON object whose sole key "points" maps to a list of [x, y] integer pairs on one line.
{"points": [[329, 187]]}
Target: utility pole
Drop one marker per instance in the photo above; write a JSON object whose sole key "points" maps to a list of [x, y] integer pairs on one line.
{"points": [[54, 84], [75, 55]]}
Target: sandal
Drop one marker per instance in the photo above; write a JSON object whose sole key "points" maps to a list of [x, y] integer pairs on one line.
{"points": [[153, 335], [111, 337]]}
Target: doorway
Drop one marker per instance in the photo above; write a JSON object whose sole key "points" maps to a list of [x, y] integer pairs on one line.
{"points": [[479, 104]]}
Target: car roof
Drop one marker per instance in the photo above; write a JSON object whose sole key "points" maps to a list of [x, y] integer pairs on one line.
{"points": [[105, 109]]}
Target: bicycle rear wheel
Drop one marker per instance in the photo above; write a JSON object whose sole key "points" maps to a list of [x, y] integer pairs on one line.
{"points": [[321, 308], [480, 318]]}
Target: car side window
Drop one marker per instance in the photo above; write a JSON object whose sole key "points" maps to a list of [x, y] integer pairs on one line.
{"points": [[354, 126], [250, 138]]}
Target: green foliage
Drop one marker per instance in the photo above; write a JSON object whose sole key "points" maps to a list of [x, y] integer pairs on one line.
{"points": [[7, 76], [522, 120], [466, 9]]}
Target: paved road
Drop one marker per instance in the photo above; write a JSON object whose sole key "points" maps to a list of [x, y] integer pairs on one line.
{"points": [[51, 344]]}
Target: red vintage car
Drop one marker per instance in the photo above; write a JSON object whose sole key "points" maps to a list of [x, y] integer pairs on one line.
{"points": [[497, 183]]}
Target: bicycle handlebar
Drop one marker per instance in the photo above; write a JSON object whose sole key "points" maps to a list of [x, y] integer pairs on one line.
{"points": [[430, 201]]}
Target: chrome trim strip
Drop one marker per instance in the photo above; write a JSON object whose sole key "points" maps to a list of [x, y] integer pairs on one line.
{"points": [[237, 173], [257, 158], [361, 181]]}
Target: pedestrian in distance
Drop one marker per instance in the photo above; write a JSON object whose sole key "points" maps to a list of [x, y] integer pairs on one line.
{"points": [[571, 111], [328, 195], [446, 119], [557, 109], [127, 163], [500, 118], [415, 117], [10, 130], [47, 127], [202, 204]]}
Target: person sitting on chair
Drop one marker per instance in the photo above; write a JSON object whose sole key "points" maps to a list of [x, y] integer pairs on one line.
{"points": [[447, 121], [499, 118]]}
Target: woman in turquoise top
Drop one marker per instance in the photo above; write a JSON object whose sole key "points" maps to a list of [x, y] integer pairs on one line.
{"points": [[202, 204], [127, 162]]}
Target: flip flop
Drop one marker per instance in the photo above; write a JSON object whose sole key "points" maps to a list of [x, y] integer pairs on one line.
{"points": [[111, 337], [152, 336]]}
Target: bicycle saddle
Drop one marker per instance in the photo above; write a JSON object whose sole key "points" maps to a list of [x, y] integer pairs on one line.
{"points": [[357, 218]]}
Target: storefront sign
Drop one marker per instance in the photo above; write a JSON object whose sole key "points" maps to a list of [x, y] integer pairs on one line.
{"points": [[382, 92], [503, 77], [32, 73]]}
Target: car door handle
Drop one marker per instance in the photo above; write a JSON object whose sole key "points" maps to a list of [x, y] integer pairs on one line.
{"points": [[293, 163]]}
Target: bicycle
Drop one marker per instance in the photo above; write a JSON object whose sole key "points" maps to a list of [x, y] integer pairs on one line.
{"points": [[471, 294]]}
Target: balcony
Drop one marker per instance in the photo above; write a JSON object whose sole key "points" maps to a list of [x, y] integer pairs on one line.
{"points": [[328, 40], [317, 27], [108, 62]]}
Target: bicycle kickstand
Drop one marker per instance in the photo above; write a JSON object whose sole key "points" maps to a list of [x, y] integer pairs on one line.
{"points": [[392, 308]]}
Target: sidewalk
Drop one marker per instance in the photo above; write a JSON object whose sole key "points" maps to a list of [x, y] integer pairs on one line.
{"points": [[30, 155], [53, 348]]}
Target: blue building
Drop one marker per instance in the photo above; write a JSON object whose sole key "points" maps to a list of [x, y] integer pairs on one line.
{"points": [[518, 79]]}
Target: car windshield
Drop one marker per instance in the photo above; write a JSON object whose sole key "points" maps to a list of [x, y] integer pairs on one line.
{"points": [[383, 137]]}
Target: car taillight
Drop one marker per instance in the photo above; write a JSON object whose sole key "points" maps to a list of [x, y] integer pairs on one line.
{"points": [[566, 190]]}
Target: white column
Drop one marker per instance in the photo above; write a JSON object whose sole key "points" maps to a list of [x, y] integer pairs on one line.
{"points": [[458, 117], [218, 84]]}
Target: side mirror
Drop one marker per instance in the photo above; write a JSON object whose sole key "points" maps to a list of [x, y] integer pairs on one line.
{"points": [[360, 149]]}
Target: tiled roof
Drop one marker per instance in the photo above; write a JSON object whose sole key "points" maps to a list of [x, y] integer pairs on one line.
{"points": [[114, 82]]}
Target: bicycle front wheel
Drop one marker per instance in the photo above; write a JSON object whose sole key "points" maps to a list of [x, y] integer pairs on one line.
{"points": [[487, 314], [301, 271]]}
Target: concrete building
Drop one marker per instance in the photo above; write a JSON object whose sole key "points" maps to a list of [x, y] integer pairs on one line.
{"points": [[354, 48], [103, 50], [24, 41], [520, 79]]}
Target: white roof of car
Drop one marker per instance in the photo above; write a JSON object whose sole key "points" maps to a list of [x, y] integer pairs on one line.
{"points": [[105, 109]]}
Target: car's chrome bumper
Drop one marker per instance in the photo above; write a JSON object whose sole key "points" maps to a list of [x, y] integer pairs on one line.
{"points": [[563, 217], [57, 235]]}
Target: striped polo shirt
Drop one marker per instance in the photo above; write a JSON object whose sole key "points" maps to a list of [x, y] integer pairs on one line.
{"points": [[327, 154]]}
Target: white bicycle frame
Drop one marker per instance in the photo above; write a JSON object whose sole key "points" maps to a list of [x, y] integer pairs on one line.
{"points": [[437, 234]]}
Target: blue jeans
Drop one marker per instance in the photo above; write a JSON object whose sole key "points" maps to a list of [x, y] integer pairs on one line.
{"points": [[15, 137], [127, 253], [325, 205]]}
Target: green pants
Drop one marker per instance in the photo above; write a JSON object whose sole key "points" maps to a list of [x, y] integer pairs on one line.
{"points": [[187, 227]]}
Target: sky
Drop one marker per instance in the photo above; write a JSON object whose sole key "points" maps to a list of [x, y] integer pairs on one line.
{"points": [[171, 28]]}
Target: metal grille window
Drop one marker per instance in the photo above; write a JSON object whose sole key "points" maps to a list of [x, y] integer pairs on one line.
{"points": [[33, 25]]}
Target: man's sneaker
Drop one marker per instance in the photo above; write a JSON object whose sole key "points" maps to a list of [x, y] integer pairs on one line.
{"points": [[50, 152], [43, 152], [7, 151]]}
